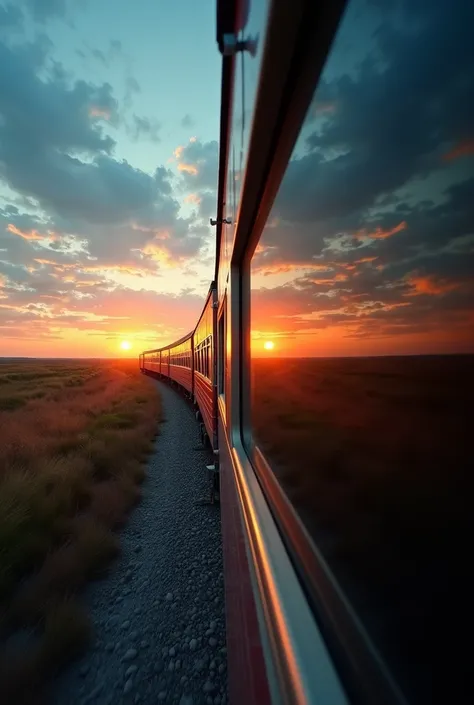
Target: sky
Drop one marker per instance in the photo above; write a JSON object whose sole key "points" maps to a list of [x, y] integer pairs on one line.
{"points": [[109, 116], [369, 248], [109, 121]]}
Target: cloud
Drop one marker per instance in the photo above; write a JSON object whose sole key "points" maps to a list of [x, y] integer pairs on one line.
{"points": [[187, 122], [198, 163], [11, 19], [144, 127], [371, 231], [82, 219], [53, 150], [43, 10]]}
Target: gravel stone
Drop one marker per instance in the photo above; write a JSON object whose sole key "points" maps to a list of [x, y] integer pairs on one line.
{"points": [[130, 654], [162, 604], [186, 700]]}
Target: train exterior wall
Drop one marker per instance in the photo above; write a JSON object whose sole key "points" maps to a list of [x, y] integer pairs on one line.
{"points": [[204, 367], [244, 647], [183, 376], [203, 394]]}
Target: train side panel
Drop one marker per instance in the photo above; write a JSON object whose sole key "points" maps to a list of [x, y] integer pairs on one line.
{"points": [[244, 645], [204, 373], [165, 363], [180, 364], [203, 394]]}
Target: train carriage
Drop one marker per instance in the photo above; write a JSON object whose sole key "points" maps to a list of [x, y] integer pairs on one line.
{"points": [[150, 361], [181, 362], [204, 366]]}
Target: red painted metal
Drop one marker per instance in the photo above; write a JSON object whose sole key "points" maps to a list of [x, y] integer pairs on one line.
{"points": [[165, 363], [183, 376], [204, 395], [244, 647]]}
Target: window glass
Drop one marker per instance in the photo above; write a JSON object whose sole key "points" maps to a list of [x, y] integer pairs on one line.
{"points": [[247, 67], [363, 331]]}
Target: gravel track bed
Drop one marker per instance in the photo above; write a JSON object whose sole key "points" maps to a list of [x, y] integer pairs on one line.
{"points": [[159, 617]]}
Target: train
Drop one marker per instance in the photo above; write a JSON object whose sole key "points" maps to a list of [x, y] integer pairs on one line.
{"points": [[292, 636], [191, 363]]}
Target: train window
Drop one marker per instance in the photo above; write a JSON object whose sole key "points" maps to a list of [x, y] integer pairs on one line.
{"points": [[221, 361], [207, 351], [196, 354], [362, 331]]}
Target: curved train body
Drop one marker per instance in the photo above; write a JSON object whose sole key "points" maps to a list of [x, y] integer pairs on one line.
{"points": [[292, 635]]}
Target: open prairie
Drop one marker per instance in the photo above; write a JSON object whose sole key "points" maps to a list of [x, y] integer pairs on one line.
{"points": [[376, 455], [73, 439]]}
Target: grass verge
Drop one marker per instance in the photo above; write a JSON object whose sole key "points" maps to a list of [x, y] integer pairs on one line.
{"points": [[74, 438]]}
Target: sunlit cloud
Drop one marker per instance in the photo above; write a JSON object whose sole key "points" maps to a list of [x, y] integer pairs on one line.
{"points": [[98, 112], [188, 168], [430, 285], [193, 198], [30, 234], [463, 149], [380, 233]]}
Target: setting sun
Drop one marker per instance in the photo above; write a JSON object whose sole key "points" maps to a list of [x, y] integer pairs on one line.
{"points": [[125, 345], [269, 345]]}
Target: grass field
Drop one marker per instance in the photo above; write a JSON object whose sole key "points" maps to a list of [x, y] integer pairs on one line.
{"points": [[376, 455], [74, 436]]}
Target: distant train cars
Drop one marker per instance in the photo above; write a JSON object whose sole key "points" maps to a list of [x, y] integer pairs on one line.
{"points": [[190, 362]]}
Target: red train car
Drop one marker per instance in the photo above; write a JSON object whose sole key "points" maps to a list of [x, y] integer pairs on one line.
{"points": [[181, 362], [204, 366]]}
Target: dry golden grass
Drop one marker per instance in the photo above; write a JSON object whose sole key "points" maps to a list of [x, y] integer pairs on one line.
{"points": [[376, 454], [74, 437]]}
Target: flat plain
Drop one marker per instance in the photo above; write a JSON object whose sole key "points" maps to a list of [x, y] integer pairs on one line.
{"points": [[74, 437], [376, 456]]}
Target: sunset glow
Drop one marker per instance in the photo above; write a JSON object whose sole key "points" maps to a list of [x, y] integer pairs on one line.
{"points": [[384, 267]]}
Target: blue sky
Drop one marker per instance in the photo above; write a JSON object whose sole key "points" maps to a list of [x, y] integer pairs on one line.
{"points": [[110, 119]]}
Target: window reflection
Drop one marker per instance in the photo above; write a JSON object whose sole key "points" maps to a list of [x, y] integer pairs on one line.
{"points": [[247, 68], [362, 330]]}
